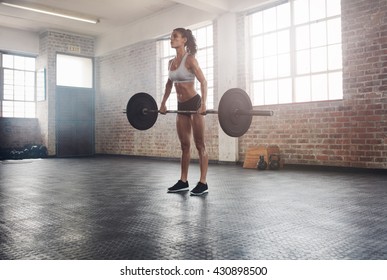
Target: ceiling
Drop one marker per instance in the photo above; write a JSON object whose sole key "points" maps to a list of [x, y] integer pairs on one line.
{"points": [[112, 14]]}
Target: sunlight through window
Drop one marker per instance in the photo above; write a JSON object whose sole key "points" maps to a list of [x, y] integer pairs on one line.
{"points": [[18, 98], [295, 52]]}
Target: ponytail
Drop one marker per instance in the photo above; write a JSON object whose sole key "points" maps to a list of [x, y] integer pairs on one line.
{"points": [[191, 41]]}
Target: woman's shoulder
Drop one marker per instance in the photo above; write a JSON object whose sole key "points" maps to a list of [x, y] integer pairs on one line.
{"points": [[191, 59]]}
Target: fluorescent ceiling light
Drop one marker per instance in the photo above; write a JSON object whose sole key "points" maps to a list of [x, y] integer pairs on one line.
{"points": [[52, 13]]}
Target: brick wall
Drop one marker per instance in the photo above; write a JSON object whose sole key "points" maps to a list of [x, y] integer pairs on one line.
{"points": [[17, 132], [351, 132], [120, 75]]}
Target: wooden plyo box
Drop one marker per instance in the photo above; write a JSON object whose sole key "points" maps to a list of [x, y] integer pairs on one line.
{"points": [[253, 154]]}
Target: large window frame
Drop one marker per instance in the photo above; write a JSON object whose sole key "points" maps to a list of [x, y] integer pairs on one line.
{"points": [[17, 85], [205, 57], [295, 52]]}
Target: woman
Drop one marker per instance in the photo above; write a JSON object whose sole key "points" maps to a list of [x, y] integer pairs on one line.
{"points": [[182, 72]]}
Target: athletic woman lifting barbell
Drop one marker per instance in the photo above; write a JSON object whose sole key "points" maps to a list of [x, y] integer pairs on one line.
{"points": [[182, 72], [235, 110]]}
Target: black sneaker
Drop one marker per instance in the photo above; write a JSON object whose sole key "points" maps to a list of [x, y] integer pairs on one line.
{"points": [[180, 186], [200, 189]]}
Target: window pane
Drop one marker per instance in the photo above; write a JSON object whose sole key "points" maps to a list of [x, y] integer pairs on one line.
{"points": [[19, 62], [319, 87], [335, 57], [19, 77], [335, 85], [201, 58], [303, 62], [258, 69], [271, 92], [30, 79], [7, 61], [301, 11], [258, 94], [210, 36], [8, 92], [285, 90], [318, 34], [209, 74], [302, 85], [317, 9], [257, 47], [19, 93], [284, 65], [269, 20], [302, 37], [8, 77], [165, 63], [166, 46], [283, 16], [283, 41], [201, 37], [270, 67], [7, 108], [18, 109], [29, 93], [256, 23], [30, 63], [270, 44], [333, 7], [319, 59], [210, 56], [334, 31]]}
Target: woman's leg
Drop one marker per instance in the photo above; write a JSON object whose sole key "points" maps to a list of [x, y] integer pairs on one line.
{"points": [[198, 133], [183, 126]]}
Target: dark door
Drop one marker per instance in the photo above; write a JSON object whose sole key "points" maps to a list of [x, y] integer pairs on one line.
{"points": [[74, 121]]}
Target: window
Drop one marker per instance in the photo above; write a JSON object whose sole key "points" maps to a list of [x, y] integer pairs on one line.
{"points": [[295, 52], [205, 58], [18, 86], [74, 71]]}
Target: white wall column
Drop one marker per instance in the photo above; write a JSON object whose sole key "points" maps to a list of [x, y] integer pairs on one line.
{"points": [[227, 77]]}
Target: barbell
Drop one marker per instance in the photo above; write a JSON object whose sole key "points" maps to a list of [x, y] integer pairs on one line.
{"points": [[235, 112]]}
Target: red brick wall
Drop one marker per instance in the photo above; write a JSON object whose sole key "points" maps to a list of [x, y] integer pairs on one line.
{"points": [[351, 132]]}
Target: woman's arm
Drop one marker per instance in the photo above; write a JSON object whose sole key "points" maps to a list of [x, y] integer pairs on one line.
{"points": [[195, 68], [167, 92]]}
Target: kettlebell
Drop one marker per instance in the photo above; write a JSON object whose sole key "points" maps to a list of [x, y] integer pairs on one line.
{"points": [[262, 165]]}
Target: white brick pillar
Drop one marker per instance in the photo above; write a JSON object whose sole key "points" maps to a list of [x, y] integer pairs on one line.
{"points": [[227, 77]]}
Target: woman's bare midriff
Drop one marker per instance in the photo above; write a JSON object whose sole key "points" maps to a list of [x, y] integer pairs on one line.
{"points": [[185, 91]]}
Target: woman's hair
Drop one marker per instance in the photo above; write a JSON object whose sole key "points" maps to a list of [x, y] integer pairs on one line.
{"points": [[191, 41]]}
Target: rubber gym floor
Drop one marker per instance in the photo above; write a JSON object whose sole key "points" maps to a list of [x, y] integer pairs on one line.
{"points": [[118, 208]]}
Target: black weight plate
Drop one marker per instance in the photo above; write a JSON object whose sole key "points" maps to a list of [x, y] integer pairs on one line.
{"points": [[135, 111], [233, 124]]}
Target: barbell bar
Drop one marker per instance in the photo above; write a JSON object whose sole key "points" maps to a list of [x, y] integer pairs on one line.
{"points": [[235, 112], [215, 112], [146, 111]]}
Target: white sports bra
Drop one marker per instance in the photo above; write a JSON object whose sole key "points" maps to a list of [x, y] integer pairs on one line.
{"points": [[181, 74]]}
